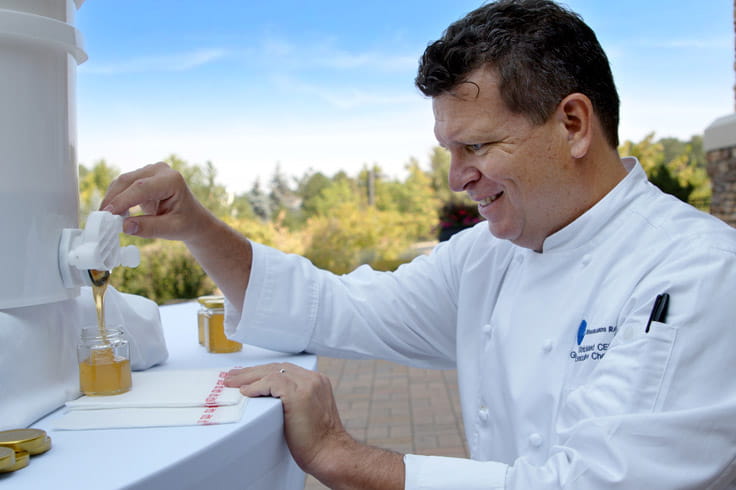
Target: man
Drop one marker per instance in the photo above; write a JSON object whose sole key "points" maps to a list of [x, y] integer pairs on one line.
{"points": [[565, 379]]}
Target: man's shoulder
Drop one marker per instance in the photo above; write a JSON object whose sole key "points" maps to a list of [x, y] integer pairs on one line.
{"points": [[677, 224]]}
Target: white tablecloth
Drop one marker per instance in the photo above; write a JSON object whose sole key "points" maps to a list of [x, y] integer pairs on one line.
{"points": [[250, 454]]}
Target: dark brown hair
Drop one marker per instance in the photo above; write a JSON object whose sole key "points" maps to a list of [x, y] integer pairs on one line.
{"points": [[541, 51]]}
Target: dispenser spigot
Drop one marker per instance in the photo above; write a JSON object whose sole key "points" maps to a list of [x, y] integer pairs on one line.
{"points": [[96, 247]]}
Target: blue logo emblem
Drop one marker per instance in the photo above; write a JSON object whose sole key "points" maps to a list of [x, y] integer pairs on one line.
{"points": [[581, 331]]}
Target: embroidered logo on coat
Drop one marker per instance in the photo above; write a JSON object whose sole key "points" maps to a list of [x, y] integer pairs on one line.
{"points": [[581, 331], [599, 346]]}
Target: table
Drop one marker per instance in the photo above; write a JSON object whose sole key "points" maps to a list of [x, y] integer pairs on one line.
{"points": [[250, 454]]}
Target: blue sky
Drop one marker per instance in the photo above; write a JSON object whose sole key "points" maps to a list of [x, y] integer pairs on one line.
{"points": [[328, 85]]}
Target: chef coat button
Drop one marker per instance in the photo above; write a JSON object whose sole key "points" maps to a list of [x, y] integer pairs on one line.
{"points": [[586, 260], [548, 345], [487, 329], [483, 413], [535, 439]]}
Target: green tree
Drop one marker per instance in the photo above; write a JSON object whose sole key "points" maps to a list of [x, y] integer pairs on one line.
{"points": [[309, 188], [414, 199], [285, 202], [675, 166], [240, 208], [202, 180], [93, 184], [259, 201], [342, 191], [439, 162], [350, 236]]}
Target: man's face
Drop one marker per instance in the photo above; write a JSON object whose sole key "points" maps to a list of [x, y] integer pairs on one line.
{"points": [[520, 174]]}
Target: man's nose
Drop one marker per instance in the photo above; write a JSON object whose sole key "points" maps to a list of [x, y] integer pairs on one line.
{"points": [[462, 172]]}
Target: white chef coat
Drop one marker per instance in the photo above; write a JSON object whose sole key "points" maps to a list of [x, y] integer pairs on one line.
{"points": [[560, 385]]}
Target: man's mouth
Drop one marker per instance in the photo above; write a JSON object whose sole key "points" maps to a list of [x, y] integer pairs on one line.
{"points": [[489, 200]]}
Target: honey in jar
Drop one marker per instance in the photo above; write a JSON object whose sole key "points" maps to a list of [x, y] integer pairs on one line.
{"points": [[213, 319], [104, 362], [103, 353], [202, 314]]}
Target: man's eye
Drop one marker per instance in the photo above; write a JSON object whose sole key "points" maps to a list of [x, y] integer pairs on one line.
{"points": [[476, 147]]}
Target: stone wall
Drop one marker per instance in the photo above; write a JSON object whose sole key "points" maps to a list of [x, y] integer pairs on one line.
{"points": [[722, 172], [719, 141]]}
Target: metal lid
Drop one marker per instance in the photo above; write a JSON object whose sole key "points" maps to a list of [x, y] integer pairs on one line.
{"points": [[7, 458], [20, 460], [33, 441], [212, 301]]}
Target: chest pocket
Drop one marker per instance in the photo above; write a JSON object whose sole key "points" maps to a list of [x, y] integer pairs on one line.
{"points": [[628, 379]]}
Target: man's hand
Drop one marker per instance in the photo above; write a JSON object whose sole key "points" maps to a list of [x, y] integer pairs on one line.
{"points": [[170, 210], [316, 437]]}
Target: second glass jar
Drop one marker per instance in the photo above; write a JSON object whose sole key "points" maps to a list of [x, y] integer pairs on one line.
{"points": [[211, 318]]}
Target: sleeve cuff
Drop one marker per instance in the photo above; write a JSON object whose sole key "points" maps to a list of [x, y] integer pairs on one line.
{"points": [[279, 307], [443, 473]]}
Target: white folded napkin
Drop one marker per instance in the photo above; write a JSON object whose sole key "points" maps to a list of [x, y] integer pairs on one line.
{"points": [[177, 388], [159, 399], [129, 418]]}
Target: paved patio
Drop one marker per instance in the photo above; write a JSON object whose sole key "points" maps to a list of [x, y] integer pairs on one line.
{"points": [[391, 406]]}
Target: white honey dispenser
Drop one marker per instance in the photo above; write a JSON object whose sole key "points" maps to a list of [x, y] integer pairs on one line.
{"points": [[44, 256]]}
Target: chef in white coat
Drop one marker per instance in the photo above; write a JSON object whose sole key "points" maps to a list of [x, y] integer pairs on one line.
{"points": [[590, 318]]}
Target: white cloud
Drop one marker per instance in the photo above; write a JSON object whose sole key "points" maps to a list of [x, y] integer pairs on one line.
{"points": [[346, 97], [156, 64], [285, 52]]}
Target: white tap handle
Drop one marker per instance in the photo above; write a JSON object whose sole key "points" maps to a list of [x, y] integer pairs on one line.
{"points": [[96, 247], [130, 256]]}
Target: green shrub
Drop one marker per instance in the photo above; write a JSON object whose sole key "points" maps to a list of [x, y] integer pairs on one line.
{"points": [[167, 272]]}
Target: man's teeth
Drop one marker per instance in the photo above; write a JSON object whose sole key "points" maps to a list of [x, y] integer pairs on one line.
{"points": [[489, 200]]}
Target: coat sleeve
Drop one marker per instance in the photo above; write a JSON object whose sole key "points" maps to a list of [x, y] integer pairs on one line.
{"points": [[407, 316]]}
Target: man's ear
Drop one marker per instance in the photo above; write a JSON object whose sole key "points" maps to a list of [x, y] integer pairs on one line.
{"points": [[575, 112]]}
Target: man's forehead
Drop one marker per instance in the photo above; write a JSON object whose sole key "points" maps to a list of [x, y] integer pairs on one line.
{"points": [[481, 82], [475, 94]]}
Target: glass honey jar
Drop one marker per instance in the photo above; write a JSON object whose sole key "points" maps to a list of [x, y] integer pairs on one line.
{"points": [[202, 313], [104, 362], [213, 323]]}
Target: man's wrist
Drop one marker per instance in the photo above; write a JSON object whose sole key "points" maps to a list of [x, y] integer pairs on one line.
{"points": [[349, 464]]}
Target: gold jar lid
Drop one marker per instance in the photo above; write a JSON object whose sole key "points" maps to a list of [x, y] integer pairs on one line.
{"points": [[20, 460], [33, 441], [7, 458], [212, 301]]}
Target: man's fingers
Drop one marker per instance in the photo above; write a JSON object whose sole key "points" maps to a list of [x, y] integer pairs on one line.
{"points": [[145, 186], [271, 385], [119, 184], [256, 377], [148, 226]]}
